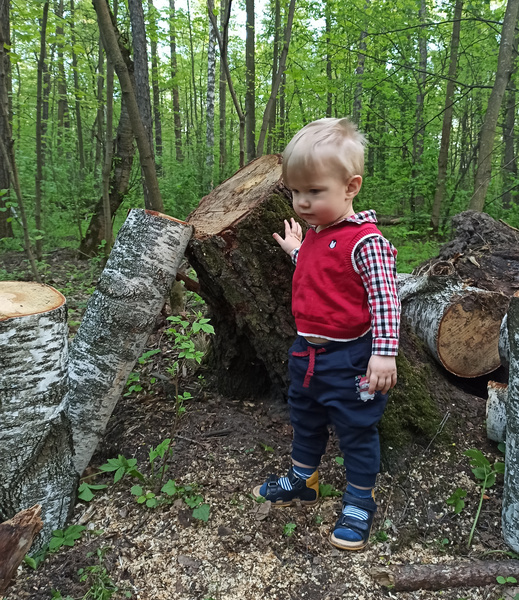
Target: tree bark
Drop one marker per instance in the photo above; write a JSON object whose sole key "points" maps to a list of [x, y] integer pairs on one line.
{"points": [[486, 145], [328, 31], [107, 159], [118, 320], [63, 117], [16, 537], [101, 76], [250, 81], [77, 94], [443, 155], [222, 86], [6, 229], [510, 166], [496, 411], [275, 86], [174, 83], [210, 100], [510, 514], [33, 347], [145, 151], [477, 573], [460, 325], [155, 80], [39, 133], [359, 72]]}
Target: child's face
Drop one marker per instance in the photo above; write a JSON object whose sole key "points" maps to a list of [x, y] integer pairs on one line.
{"points": [[322, 198]]}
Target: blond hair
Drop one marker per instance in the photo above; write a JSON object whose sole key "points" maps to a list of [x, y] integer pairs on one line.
{"points": [[334, 144]]}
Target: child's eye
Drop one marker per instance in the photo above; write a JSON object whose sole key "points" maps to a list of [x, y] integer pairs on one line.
{"points": [[314, 192]]}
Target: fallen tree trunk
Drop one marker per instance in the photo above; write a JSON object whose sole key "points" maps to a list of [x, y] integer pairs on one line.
{"points": [[459, 324], [496, 411], [510, 514], [119, 317], [35, 436], [16, 538], [408, 578]]}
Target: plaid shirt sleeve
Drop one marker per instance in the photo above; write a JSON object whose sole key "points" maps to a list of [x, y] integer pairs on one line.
{"points": [[376, 264]]}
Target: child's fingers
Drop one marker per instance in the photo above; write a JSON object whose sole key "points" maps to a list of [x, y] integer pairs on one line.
{"points": [[277, 237]]}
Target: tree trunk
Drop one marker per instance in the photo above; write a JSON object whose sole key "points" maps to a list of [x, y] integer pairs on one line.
{"points": [[35, 440], [16, 537], [275, 87], [6, 230], [486, 145], [443, 155], [328, 31], [155, 81], [63, 118], [496, 411], [359, 73], [77, 94], [119, 317], [460, 325], [510, 166], [114, 55], [222, 87], [244, 278], [39, 132], [101, 76], [510, 514], [142, 85], [250, 81], [174, 83], [194, 95], [477, 573], [210, 99], [108, 154]]}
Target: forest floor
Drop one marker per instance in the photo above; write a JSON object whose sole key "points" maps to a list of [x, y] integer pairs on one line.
{"points": [[245, 550]]}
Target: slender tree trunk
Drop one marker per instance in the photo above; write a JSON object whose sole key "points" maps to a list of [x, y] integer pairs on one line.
{"points": [[486, 145], [359, 72], [108, 154], [328, 31], [443, 156], [155, 83], [275, 66], [6, 229], [419, 130], [510, 166], [39, 133], [63, 118], [142, 82], [174, 83], [194, 98], [277, 81], [211, 85], [282, 111], [77, 94], [142, 136], [225, 12], [250, 81], [100, 107]]}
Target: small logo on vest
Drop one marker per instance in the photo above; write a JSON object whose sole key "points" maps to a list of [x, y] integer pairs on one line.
{"points": [[333, 243]]}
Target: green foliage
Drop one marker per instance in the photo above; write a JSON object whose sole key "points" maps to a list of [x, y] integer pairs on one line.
{"points": [[456, 500], [122, 466], [326, 490], [289, 529], [86, 490], [66, 537]]}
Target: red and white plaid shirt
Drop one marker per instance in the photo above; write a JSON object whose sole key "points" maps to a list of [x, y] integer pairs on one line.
{"points": [[375, 259]]}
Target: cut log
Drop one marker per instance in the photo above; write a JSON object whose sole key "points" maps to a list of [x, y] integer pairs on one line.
{"points": [[119, 317], [510, 514], [459, 324], [245, 278], [35, 436], [484, 253], [16, 538], [496, 411], [504, 342], [407, 578]]}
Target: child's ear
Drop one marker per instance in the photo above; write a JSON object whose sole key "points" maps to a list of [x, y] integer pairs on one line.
{"points": [[353, 186]]}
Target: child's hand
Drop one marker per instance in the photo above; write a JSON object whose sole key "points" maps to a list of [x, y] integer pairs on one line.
{"points": [[381, 373], [293, 236]]}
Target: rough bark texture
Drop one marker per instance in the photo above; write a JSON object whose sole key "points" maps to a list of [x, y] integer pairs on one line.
{"points": [[510, 515], [250, 81], [496, 411], [118, 320], [35, 438], [407, 578], [245, 278], [484, 253], [460, 325], [16, 537], [6, 229]]}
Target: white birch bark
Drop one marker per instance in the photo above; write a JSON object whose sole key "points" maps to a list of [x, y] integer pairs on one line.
{"points": [[510, 514], [460, 325], [496, 411], [504, 343], [211, 84], [118, 320], [35, 434]]}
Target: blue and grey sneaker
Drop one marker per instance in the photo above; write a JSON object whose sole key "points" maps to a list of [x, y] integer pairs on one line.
{"points": [[289, 490]]}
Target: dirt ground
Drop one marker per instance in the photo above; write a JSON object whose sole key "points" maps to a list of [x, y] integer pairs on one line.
{"points": [[248, 551]]}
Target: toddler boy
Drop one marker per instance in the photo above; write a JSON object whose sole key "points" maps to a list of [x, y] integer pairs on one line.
{"points": [[347, 313]]}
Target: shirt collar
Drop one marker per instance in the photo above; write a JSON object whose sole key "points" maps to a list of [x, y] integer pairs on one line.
{"points": [[364, 216]]}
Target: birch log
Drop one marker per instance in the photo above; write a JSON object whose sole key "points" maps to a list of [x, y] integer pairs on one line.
{"points": [[459, 324], [510, 514], [496, 411], [118, 320], [504, 342], [35, 435]]}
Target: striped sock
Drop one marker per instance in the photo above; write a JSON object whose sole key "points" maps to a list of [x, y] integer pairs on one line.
{"points": [[353, 512], [284, 482]]}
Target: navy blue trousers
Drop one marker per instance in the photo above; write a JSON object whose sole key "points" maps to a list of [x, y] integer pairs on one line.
{"points": [[324, 389]]}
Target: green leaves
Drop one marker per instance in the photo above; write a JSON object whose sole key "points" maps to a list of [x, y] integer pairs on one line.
{"points": [[122, 466], [202, 512], [86, 491], [456, 500], [328, 491], [65, 537]]}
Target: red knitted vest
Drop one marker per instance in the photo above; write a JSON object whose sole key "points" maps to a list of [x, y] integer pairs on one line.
{"points": [[328, 297]]}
